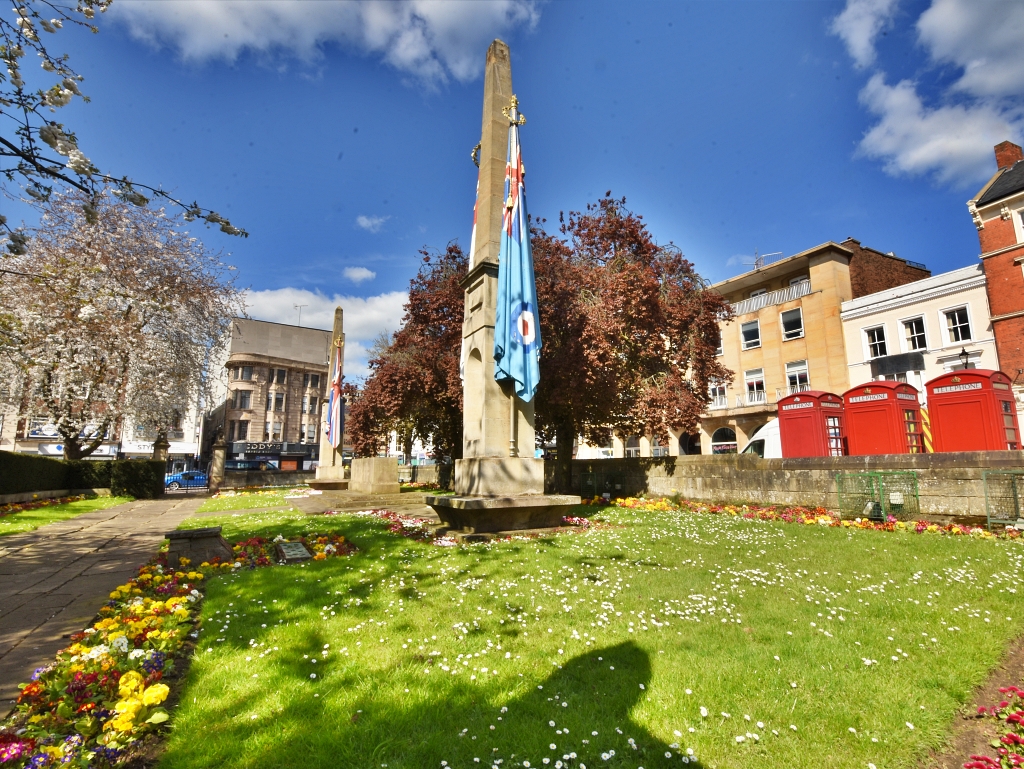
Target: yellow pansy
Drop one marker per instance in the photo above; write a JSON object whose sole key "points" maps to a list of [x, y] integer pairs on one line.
{"points": [[155, 694], [130, 682]]}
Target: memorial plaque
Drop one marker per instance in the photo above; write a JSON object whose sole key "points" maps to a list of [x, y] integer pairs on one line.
{"points": [[293, 552]]}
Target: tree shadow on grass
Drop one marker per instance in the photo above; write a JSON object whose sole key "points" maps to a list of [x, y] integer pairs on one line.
{"points": [[580, 715]]}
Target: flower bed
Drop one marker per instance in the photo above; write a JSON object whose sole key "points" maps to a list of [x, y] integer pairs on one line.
{"points": [[809, 516], [35, 504], [103, 694], [1010, 747]]}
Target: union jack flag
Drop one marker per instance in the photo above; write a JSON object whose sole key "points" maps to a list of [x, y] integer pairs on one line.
{"points": [[335, 408]]}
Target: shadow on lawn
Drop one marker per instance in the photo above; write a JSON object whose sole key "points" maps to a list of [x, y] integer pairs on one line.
{"points": [[442, 719]]}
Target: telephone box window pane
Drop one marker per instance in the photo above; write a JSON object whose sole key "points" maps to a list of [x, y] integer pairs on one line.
{"points": [[915, 334], [958, 324], [1007, 407], [915, 440], [751, 333], [792, 324], [876, 342]]}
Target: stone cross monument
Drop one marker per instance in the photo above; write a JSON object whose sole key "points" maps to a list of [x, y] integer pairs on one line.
{"points": [[498, 482]]}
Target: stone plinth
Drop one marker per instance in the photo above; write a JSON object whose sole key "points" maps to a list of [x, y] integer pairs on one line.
{"points": [[332, 477], [480, 515], [375, 475], [198, 545], [499, 476]]}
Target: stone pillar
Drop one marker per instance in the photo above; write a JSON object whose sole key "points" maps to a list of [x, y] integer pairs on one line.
{"points": [[330, 471], [220, 452], [161, 446]]}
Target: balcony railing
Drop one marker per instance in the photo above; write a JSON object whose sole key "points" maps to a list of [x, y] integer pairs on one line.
{"points": [[755, 398], [788, 294], [782, 392], [719, 402]]}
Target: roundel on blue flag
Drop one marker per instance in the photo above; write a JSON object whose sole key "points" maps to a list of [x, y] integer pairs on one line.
{"points": [[524, 326]]}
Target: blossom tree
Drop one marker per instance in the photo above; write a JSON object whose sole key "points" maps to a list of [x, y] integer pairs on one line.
{"points": [[414, 386], [111, 316], [38, 151], [630, 331]]}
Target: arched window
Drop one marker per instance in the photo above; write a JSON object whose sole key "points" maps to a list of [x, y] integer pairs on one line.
{"points": [[657, 450], [723, 441], [633, 446]]}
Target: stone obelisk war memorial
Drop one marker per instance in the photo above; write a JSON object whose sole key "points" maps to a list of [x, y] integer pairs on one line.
{"points": [[499, 485]]}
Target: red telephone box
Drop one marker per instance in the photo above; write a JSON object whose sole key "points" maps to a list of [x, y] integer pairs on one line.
{"points": [[973, 410], [811, 425], [883, 417]]}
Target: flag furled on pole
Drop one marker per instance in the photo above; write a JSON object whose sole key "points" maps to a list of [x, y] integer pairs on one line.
{"points": [[335, 408], [516, 325]]}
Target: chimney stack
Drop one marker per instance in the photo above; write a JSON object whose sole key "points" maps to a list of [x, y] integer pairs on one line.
{"points": [[1008, 153]]}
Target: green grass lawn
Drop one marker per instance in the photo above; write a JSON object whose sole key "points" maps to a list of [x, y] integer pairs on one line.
{"points": [[626, 646], [28, 520], [247, 501]]}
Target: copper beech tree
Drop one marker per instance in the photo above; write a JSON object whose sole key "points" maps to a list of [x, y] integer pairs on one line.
{"points": [[111, 317], [629, 329], [414, 387]]}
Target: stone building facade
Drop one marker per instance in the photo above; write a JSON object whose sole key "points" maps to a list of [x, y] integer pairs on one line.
{"points": [[998, 214], [270, 396]]}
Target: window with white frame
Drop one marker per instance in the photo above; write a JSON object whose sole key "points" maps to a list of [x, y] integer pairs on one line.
{"points": [[792, 324], [754, 379], [796, 377], [719, 400], [758, 292], [751, 334], [913, 332], [958, 325], [657, 450], [876, 342], [798, 279], [633, 446]]}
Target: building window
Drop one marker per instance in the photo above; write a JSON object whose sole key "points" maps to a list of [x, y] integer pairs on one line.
{"points": [[282, 375], [719, 400], [276, 435], [314, 381], [657, 450], [723, 441], [720, 350], [958, 325], [758, 292], [798, 279], [755, 386], [796, 377], [914, 331], [305, 404], [231, 432], [279, 402], [876, 342], [243, 430], [311, 433], [246, 373], [792, 324], [266, 431], [270, 401], [234, 374], [242, 399], [751, 333], [305, 379], [633, 446], [312, 404]]}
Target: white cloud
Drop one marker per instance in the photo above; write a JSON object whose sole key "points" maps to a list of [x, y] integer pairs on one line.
{"points": [[985, 40], [953, 142], [950, 135], [365, 317], [371, 223], [359, 274], [859, 24], [432, 39]]}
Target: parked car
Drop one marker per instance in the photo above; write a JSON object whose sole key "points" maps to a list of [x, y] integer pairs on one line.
{"points": [[190, 479], [766, 442]]}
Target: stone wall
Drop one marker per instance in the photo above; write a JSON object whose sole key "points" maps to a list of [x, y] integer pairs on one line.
{"points": [[418, 473], [950, 485], [240, 479]]}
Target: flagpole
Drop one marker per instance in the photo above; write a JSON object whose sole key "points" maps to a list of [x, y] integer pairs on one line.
{"points": [[512, 423]]}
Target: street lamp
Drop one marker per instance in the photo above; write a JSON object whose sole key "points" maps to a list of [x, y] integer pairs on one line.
{"points": [[963, 356]]}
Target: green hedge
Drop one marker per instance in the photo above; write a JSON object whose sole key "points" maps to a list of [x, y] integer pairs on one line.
{"points": [[139, 478], [21, 473]]}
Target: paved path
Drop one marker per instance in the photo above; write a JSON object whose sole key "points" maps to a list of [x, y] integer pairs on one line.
{"points": [[53, 580]]}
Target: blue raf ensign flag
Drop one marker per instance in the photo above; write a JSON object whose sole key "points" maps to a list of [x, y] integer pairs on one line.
{"points": [[516, 324]]}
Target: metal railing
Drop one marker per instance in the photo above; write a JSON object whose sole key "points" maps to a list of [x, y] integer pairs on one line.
{"points": [[877, 495], [762, 260], [782, 392], [788, 294], [756, 398], [1004, 497], [719, 402]]}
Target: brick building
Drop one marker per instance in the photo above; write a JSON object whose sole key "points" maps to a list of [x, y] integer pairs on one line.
{"points": [[270, 396], [998, 214]]}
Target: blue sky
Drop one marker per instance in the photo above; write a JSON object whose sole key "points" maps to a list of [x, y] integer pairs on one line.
{"points": [[338, 133]]}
